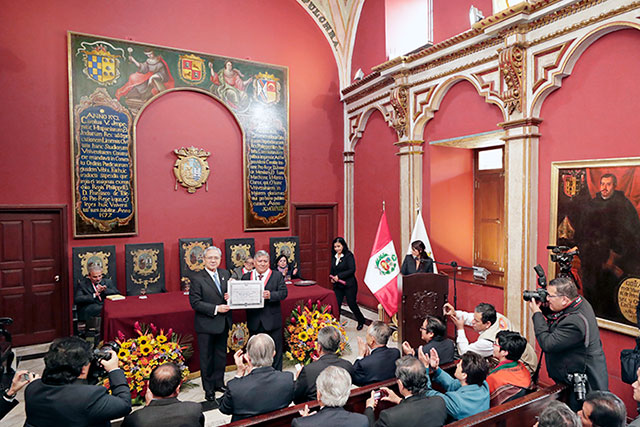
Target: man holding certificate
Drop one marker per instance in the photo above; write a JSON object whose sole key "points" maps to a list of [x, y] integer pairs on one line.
{"points": [[269, 318], [208, 297]]}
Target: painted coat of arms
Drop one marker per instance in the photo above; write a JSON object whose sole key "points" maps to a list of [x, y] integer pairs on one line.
{"points": [[191, 169], [101, 61], [266, 88], [192, 69], [386, 263]]}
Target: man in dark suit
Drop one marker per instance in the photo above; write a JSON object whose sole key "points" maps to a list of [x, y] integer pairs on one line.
{"points": [[333, 389], [376, 361], [91, 292], [257, 388], [163, 407], [413, 408], [327, 344], [61, 398], [269, 318], [8, 400], [208, 297]]}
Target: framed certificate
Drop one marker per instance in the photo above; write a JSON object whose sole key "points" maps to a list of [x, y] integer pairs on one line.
{"points": [[245, 294]]}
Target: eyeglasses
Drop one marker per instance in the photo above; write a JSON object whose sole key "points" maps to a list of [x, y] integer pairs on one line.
{"points": [[553, 296], [422, 328]]}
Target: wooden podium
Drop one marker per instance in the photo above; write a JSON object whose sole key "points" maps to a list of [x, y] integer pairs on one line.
{"points": [[422, 294]]}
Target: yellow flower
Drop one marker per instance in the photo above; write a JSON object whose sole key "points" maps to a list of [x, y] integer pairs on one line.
{"points": [[143, 340], [161, 339], [165, 348], [126, 344], [145, 349], [303, 336], [302, 320], [146, 371], [123, 353]]}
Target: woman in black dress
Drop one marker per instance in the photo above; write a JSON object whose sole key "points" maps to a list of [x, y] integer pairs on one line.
{"points": [[287, 269], [343, 277], [418, 261]]}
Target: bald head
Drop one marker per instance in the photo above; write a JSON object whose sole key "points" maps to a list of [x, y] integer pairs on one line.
{"points": [[165, 380]]}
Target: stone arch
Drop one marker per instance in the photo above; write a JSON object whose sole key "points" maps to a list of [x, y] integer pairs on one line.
{"points": [[571, 58], [440, 92], [356, 134]]}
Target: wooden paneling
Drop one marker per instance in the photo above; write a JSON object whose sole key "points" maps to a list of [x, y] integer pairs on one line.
{"points": [[315, 225]]}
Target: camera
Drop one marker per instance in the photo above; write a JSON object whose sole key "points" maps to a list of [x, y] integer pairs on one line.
{"points": [[379, 394], [103, 353], [539, 295], [579, 382]]}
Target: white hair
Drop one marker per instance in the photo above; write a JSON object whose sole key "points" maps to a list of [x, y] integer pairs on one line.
{"points": [[260, 254], [334, 385], [260, 349], [213, 248]]}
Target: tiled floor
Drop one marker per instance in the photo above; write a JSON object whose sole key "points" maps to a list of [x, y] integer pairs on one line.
{"points": [[194, 393]]}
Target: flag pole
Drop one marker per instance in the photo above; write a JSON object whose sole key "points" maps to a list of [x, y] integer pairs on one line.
{"points": [[383, 206]]}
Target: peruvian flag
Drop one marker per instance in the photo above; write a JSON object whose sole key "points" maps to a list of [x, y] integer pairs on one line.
{"points": [[383, 269]]}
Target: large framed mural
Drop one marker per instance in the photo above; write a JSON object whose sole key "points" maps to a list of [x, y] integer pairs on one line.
{"points": [[595, 209], [111, 81]]}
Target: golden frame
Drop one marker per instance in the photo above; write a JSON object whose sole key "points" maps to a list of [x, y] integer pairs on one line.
{"points": [[556, 167]]}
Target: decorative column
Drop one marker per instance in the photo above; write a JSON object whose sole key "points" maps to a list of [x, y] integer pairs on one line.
{"points": [[410, 155], [349, 235]]}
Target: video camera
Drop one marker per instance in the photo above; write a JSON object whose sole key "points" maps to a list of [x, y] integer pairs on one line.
{"points": [[579, 382], [563, 256]]}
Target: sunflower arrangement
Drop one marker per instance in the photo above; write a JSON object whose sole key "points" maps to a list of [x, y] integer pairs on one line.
{"points": [[138, 356], [302, 327]]}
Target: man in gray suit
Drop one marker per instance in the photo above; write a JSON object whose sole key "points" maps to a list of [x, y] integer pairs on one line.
{"points": [[333, 389], [163, 407], [208, 297]]}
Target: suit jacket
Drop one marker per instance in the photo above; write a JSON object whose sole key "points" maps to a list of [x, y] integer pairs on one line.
{"points": [[305, 389], [6, 406], [166, 412], [77, 404], [409, 266], [333, 417], [270, 316], [84, 294], [446, 348], [204, 296], [380, 365], [412, 411], [262, 390], [345, 270]]}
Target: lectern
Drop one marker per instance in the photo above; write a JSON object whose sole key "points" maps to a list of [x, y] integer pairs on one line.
{"points": [[422, 294]]}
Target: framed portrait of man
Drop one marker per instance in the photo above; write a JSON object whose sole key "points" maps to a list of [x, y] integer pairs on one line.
{"points": [[595, 215]]}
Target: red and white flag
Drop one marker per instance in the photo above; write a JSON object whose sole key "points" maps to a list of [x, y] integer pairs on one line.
{"points": [[383, 269], [420, 233]]}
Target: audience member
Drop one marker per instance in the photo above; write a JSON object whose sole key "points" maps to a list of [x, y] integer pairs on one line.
{"points": [[285, 268], [247, 267], [636, 397], [60, 398], [376, 361], [433, 332], [163, 407], [91, 292], [414, 408], [468, 393], [557, 414], [486, 322], [333, 389], [571, 339], [508, 349], [327, 345], [603, 409], [269, 318], [20, 379], [257, 388]]}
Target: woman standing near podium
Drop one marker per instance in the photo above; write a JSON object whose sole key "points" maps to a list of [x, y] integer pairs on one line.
{"points": [[418, 261], [343, 277]]}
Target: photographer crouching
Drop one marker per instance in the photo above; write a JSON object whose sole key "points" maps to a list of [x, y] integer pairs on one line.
{"points": [[63, 398], [570, 339]]}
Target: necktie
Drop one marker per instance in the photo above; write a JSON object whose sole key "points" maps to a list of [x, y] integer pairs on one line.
{"points": [[260, 276], [215, 279]]}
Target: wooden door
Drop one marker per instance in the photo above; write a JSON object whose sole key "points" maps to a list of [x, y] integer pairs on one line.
{"points": [[316, 226], [32, 274]]}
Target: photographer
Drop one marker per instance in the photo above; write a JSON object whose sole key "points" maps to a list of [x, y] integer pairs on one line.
{"points": [[62, 397], [570, 340]]}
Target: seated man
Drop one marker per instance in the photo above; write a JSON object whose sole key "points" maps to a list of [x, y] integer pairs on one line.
{"points": [[376, 361], [163, 406], [8, 401], [557, 414], [91, 293], [333, 387], [414, 408], [487, 322], [327, 345], [434, 332], [508, 349], [59, 399], [468, 393], [257, 388], [238, 272], [603, 408]]}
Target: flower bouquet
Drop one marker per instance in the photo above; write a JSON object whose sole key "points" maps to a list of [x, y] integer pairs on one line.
{"points": [[138, 356], [301, 331]]}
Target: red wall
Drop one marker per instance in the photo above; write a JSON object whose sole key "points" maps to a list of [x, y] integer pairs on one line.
{"points": [[377, 178], [35, 121], [369, 46], [594, 115], [451, 17]]}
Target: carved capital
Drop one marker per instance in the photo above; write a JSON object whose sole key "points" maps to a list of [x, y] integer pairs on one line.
{"points": [[347, 156], [399, 98], [511, 61]]}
